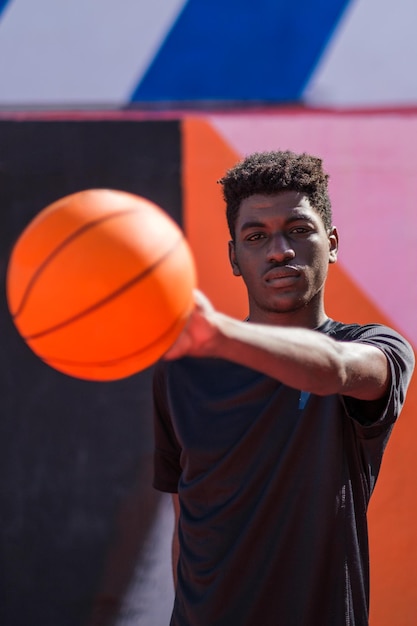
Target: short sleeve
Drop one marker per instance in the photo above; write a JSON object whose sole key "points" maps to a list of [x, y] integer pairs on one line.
{"points": [[167, 451], [401, 361]]}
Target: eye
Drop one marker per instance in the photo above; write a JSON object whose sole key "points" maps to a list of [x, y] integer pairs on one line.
{"points": [[301, 230], [255, 236]]}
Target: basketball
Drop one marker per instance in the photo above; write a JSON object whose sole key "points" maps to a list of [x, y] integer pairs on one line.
{"points": [[100, 284]]}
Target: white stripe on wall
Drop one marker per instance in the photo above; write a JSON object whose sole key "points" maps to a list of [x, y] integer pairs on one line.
{"points": [[83, 52], [370, 59]]}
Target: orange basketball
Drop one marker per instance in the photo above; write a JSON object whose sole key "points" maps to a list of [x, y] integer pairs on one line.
{"points": [[100, 283]]}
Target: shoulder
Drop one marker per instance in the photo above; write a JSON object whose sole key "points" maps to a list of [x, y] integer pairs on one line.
{"points": [[376, 334], [400, 358], [353, 331], [397, 349]]}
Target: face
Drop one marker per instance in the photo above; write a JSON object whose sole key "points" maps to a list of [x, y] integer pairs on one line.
{"points": [[282, 250]]}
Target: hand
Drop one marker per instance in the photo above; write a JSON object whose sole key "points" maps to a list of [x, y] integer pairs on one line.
{"points": [[198, 331]]}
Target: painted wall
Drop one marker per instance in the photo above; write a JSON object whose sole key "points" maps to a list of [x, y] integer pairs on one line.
{"points": [[371, 161], [82, 533], [91, 53], [80, 528], [83, 537]]}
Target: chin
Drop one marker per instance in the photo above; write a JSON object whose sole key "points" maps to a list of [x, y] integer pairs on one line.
{"points": [[287, 305]]}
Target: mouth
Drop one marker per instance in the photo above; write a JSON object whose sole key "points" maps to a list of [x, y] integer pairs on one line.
{"points": [[278, 273], [282, 276]]}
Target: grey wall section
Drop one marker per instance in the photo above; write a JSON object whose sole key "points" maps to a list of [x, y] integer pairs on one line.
{"points": [[76, 502]]}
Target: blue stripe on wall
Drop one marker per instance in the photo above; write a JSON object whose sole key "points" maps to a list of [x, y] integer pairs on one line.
{"points": [[240, 50], [3, 4]]}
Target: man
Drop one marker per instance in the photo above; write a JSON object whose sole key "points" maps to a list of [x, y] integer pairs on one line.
{"points": [[272, 439]]}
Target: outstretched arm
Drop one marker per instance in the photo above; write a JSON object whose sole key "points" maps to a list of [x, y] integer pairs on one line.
{"points": [[298, 357]]}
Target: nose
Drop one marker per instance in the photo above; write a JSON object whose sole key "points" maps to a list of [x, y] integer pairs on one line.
{"points": [[280, 249]]}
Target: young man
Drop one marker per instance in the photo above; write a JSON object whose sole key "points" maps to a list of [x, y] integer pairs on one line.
{"points": [[270, 431]]}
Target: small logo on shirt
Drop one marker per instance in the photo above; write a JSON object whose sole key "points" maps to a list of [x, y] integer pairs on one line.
{"points": [[302, 401]]}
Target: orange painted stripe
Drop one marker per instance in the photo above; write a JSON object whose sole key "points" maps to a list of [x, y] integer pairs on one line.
{"points": [[206, 157], [393, 507]]}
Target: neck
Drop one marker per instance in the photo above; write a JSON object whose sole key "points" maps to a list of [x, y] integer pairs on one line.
{"points": [[303, 317]]}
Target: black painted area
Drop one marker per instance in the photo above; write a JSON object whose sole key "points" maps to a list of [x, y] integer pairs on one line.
{"points": [[76, 501]]}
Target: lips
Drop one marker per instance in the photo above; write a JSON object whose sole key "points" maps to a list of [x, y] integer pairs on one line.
{"points": [[281, 274]]}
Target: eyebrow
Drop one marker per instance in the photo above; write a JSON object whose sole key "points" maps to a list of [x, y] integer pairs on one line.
{"points": [[252, 224], [259, 224]]}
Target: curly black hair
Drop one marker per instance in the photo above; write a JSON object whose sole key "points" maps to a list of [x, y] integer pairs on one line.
{"points": [[272, 172]]}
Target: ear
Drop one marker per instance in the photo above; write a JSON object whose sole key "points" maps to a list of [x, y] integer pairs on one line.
{"points": [[232, 259], [333, 244]]}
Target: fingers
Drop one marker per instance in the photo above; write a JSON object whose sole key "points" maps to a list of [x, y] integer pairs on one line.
{"points": [[196, 330]]}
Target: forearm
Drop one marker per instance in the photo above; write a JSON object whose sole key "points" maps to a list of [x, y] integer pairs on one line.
{"points": [[298, 357]]}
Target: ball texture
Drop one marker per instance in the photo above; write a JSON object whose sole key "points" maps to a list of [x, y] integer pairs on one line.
{"points": [[100, 284]]}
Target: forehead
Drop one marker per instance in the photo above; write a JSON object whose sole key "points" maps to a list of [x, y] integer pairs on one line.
{"points": [[285, 205]]}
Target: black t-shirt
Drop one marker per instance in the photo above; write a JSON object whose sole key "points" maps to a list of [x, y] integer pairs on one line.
{"points": [[274, 485]]}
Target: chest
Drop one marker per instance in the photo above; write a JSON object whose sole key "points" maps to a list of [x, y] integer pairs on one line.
{"points": [[238, 420]]}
